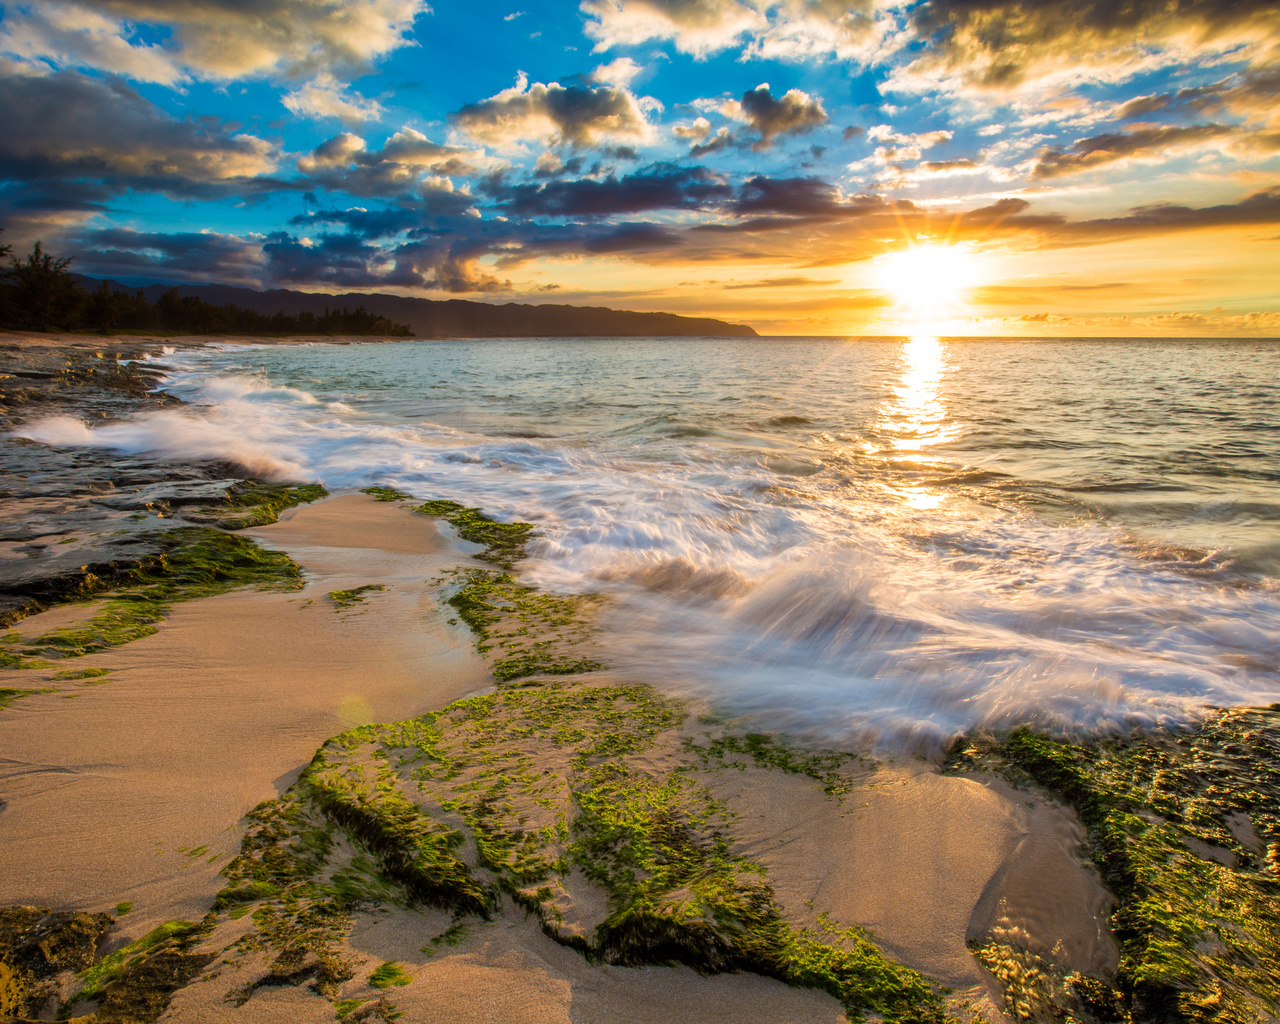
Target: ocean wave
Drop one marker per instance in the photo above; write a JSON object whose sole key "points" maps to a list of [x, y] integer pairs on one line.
{"points": [[839, 583]]}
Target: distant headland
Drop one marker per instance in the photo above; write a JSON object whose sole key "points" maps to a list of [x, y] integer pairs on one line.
{"points": [[462, 318]]}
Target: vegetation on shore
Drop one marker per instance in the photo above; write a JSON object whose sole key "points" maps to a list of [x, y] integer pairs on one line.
{"points": [[578, 804], [191, 562], [592, 808], [39, 293], [1185, 829]]}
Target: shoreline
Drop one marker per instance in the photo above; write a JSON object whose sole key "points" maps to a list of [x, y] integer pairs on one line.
{"points": [[944, 865]]}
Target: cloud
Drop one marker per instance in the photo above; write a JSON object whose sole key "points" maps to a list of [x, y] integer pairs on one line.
{"points": [[325, 96], [181, 256], [1001, 46], [1256, 210], [1253, 96], [1113, 147], [794, 113], [619, 73], [209, 39], [792, 30], [70, 127], [904, 145], [345, 163], [554, 115], [696, 27], [658, 187], [794, 281], [802, 197]]}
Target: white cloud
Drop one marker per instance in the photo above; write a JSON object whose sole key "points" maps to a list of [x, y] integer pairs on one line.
{"points": [[325, 96], [554, 115], [209, 39]]}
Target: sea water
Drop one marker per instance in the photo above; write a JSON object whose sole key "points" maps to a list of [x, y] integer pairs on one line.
{"points": [[880, 539]]}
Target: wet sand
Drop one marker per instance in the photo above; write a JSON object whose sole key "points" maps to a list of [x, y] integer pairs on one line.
{"points": [[105, 785], [134, 790]]}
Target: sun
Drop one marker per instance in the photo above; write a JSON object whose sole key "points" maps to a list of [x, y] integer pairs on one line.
{"points": [[927, 282]]}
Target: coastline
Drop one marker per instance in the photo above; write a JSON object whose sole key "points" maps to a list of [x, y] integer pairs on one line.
{"points": [[932, 862]]}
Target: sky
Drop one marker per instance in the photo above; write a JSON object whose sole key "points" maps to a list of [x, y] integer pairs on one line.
{"points": [[809, 167]]}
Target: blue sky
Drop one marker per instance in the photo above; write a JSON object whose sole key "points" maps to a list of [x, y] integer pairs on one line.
{"points": [[1081, 166]]}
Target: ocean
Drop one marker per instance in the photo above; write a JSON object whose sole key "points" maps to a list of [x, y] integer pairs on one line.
{"points": [[885, 541]]}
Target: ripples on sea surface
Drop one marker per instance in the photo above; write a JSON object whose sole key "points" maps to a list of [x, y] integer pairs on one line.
{"points": [[853, 538]]}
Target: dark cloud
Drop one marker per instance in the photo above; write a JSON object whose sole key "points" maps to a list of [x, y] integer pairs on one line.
{"points": [[574, 116], [68, 127], [181, 256], [793, 113], [801, 197], [1253, 96], [1259, 209], [634, 237], [1100, 150], [657, 187], [344, 163], [1001, 44]]}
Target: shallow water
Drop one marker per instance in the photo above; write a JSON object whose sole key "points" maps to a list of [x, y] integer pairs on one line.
{"points": [[858, 538]]}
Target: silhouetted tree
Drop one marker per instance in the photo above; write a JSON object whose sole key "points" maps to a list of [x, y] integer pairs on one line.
{"points": [[102, 312], [39, 292], [45, 294]]}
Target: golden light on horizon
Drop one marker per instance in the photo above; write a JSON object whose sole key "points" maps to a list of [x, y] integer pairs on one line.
{"points": [[927, 282]]}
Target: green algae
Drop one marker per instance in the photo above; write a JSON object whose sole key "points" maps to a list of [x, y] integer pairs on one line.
{"points": [[1037, 989], [38, 945], [1185, 830], [828, 767], [259, 504], [389, 975], [354, 596], [533, 632], [8, 694], [544, 795], [195, 562], [504, 543], [83, 673], [386, 494], [133, 985], [122, 908], [109, 977]]}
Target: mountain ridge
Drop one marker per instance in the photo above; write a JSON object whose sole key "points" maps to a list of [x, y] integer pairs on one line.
{"points": [[463, 318]]}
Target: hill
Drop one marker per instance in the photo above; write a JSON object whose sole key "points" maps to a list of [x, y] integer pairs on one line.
{"points": [[462, 318]]}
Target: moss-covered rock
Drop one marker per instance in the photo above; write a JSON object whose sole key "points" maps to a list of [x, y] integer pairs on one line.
{"points": [[192, 562], [578, 803], [1185, 828]]}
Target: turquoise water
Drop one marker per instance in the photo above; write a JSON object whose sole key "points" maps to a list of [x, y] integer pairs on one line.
{"points": [[859, 538]]}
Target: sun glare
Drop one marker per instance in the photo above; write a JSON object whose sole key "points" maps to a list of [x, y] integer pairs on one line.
{"points": [[927, 282]]}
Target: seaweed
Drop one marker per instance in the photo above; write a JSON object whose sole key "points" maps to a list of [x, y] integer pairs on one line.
{"points": [[1185, 829], [531, 628], [534, 794], [350, 598], [388, 975], [194, 562], [766, 752], [504, 543], [386, 494], [259, 504]]}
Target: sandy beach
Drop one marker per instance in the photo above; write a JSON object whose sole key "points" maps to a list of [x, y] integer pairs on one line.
{"points": [[132, 789], [272, 755]]}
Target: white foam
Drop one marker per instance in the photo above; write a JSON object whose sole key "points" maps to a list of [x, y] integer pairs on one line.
{"points": [[841, 608]]}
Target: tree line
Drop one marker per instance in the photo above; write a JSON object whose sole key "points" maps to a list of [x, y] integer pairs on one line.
{"points": [[39, 293]]}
